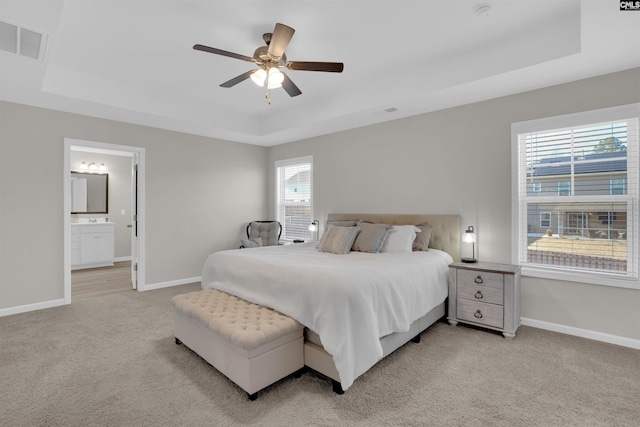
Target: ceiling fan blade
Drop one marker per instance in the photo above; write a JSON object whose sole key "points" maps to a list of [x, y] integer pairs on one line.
{"points": [[331, 67], [222, 52], [242, 77], [280, 40], [290, 87]]}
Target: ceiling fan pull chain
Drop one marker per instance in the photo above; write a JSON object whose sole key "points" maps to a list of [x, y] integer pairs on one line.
{"points": [[266, 83]]}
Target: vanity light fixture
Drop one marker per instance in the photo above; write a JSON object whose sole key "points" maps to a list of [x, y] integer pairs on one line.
{"points": [[314, 227], [469, 236], [93, 167]]}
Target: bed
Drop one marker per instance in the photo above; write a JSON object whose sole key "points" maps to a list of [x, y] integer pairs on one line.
{"points": [[356, 308]]}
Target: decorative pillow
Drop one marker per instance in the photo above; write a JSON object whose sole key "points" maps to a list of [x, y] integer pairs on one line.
{"points": [[338, 240], [337, 223], [254, 242], [371, 237], [421, 243], [400, 238]]}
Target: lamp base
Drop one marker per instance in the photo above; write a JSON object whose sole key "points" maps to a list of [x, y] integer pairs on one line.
{"points": [[469, 260]]}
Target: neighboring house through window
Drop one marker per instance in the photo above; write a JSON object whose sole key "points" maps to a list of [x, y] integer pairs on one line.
{"points": [[592, 160], [293, 197]]}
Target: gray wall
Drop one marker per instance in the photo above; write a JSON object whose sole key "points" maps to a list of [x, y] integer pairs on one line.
{"points": [[200, 193], [120, 182], [458, 161]]}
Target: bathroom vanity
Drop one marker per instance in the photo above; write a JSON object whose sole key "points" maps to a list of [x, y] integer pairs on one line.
{"points": [[92, 244]]}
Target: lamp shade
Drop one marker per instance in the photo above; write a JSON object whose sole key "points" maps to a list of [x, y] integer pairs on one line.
{"points": [[469, 235], [259, 77], [275, 78]]}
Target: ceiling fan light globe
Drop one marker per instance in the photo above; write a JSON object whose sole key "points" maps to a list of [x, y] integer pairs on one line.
{"points": [[259, 77], [275, 78]]}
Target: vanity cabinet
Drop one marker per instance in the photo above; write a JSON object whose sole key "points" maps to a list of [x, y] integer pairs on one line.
{"points": [[92, 245]]}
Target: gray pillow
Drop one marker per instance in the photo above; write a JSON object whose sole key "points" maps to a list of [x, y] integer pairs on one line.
{"points": [[338, 240], [254, 242], [371, 237], [421, 243]]}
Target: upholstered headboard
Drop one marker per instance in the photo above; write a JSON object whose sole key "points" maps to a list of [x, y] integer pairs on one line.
{"points": [[446, 228]]}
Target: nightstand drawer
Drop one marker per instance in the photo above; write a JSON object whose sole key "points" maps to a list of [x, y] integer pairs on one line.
{"points": [[480, 312], [480, 278], [480, 293]]}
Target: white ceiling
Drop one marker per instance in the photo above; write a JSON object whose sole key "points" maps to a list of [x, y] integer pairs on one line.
{"points": [[133, 60]]}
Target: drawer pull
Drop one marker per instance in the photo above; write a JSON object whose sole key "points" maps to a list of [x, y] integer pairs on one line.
{"points": [[477, 315], [479, 295], [479, 280]]}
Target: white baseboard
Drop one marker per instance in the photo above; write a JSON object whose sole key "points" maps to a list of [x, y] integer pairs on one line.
{"points": [[169, 284], [122, 258], [583, 333], [56, 303], [31, 307]]}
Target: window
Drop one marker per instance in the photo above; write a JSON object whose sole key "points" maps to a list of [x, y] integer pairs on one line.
{"points": [[545, 219], [618, 186], [293, 197], [590, 225], [564, 188]]}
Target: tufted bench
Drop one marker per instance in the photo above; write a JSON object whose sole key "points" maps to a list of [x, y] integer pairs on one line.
{"points": [[254, 346]]}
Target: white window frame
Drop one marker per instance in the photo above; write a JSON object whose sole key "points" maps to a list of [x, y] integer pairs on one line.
{"points": [[519, 215], [279, 190]]}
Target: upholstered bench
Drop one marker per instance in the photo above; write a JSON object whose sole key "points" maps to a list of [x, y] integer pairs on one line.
{"points": [[253, 346]]}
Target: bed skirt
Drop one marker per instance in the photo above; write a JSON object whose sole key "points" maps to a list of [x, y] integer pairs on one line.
{"points": [[316, 358]]}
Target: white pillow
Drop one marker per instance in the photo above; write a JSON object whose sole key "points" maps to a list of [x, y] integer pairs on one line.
{"points": [[400, 238]]}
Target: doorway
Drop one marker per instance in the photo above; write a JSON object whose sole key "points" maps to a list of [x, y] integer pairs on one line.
{"points": [[134, 218]]}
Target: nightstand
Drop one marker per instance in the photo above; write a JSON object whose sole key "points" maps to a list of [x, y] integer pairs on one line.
{"points": [[485, 294]]}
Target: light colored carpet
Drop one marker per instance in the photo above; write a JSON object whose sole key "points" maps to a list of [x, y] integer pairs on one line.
{"points": [[112, 361]]}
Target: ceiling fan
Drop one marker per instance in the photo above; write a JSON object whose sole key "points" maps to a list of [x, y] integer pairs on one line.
{"points": [[270, 58]]}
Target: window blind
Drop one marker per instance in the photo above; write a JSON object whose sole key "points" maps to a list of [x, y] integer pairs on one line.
{"points": [[577, 197], [293, 197]]}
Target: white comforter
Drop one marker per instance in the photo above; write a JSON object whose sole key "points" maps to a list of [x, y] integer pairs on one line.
{"points": [[350, 301]]}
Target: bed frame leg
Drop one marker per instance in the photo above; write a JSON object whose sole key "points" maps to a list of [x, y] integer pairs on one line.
{"points": [[253, 396], [337, 387], [416, 339], [299, 372], [178, 342]]}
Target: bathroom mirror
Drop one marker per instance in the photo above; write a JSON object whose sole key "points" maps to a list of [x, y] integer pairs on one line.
{"points": [[89, 193]]}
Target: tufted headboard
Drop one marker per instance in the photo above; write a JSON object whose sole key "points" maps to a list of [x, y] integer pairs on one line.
{"points": [[446, 228]]}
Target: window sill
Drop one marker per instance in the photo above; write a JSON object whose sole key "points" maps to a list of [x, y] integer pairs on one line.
{"points": [[593, 278]]}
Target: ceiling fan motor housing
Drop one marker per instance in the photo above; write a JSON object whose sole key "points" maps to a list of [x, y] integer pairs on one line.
{"points": [[262, 57]]}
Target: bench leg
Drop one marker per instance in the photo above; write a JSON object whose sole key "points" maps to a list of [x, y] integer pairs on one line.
{"points": [[178, 342], [337, 387], [253, 396]]}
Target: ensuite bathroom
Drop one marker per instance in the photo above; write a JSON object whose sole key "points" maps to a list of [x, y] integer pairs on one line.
{"points": [[101, 199]]}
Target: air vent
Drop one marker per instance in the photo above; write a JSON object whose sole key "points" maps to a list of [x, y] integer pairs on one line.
{"points": [[22, 41]]}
